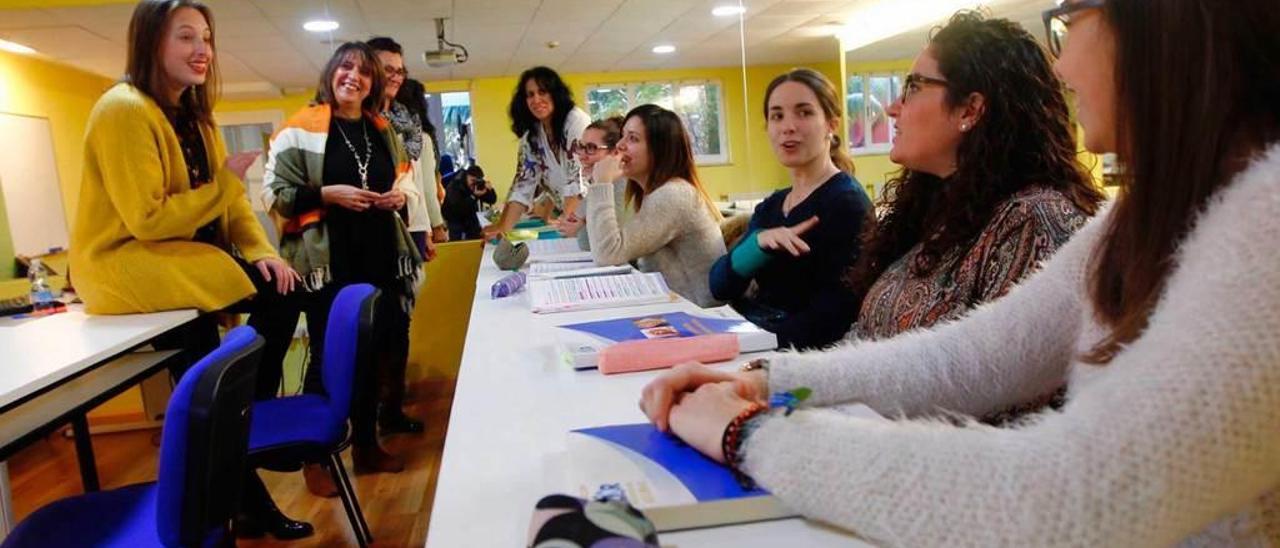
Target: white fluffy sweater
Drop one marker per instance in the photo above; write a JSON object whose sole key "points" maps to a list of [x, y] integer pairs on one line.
{"points": [[1176, 441]]}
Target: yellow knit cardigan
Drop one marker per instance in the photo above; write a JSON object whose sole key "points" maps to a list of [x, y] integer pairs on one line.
{"points": [[131, 246]]}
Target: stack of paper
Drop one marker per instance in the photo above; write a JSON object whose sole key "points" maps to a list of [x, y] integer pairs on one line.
{"points": [[562, 295], [574, 270], [556, 250]]}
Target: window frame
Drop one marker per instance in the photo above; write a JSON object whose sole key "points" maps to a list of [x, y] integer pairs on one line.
{"points": [[631, 87], [871, 149]]}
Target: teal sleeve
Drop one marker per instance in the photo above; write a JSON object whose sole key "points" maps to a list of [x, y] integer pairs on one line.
{"points": [[747, 257]]}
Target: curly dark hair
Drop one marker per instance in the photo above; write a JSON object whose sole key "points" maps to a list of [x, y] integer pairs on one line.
{"points": [[524, 123], [1023, 138]]}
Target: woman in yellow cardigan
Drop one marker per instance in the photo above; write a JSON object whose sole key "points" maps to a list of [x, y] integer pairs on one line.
{"points": [[163, 221]]}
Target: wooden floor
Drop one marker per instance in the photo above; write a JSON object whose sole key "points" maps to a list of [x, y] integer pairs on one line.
{"points": [[397, 506]]}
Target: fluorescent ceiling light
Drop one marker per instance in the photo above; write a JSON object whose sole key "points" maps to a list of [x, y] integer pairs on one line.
{"points": [[725, 11], [16, 47], [877, 20], [664, 48], [320, 25]]}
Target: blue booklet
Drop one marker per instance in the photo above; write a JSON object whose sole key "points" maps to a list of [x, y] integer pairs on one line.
{"points": [[581, 352], [673, 484]]}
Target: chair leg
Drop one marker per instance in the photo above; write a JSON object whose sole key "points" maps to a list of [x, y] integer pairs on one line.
{"points": [[350, 502]]}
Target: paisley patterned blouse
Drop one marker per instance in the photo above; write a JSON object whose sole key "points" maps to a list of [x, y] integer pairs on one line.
{"points": [[1024, 231]]}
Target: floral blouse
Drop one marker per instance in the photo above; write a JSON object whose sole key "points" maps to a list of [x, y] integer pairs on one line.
{"points": [[1024, 231], [557, 174]]}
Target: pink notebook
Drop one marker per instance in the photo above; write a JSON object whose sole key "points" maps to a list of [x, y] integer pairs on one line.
{"points": [[628, 356]]}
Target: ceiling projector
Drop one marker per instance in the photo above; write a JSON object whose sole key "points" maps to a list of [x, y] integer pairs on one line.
{"points": [[446, 53]]}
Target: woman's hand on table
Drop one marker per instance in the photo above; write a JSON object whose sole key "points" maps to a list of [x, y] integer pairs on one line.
{"points": [[701, 417], [661, 394]]}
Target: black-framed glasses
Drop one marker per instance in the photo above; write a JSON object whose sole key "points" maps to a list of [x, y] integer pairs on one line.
{"points": [[915, 81], [587, 148], [1057, 20], [392, 72]]}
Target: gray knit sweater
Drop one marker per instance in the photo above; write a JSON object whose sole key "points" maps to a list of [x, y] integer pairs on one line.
{"points": [[672, 233], [1176, 441]]}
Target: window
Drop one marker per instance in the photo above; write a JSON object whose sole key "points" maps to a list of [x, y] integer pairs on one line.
{"points": [[450, 112], [699, 105], [867, 103]]}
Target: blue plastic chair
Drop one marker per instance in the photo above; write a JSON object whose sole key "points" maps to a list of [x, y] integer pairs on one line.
{"points": [[202, 457], [313, 427]]}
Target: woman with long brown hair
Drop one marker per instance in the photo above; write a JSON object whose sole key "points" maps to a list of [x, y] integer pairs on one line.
{"points": [[335, 173], [990, 183], [786, 274], [1162, 315], [164, 222], [675, 229]]}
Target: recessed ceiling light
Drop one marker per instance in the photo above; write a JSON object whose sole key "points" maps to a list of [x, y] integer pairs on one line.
{"points": [[320, 25], [664, 48], [15, 47], [725, 11]]}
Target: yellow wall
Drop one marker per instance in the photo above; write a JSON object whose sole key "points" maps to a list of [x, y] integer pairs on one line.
{"points": [[756, 170], [31, 86], [287, 104], [751, 165]]}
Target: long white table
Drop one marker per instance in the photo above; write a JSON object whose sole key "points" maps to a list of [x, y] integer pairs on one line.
{"points": [[42, 352], [55, 368], [513, 406]]}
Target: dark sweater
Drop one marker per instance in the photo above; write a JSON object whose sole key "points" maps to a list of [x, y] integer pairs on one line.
{"points": [[801, 299], [460, 207]]}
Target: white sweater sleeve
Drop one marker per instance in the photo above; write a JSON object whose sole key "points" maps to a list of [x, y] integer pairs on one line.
{"points": [[1179, 431], [659, 221], [1004, 353]]}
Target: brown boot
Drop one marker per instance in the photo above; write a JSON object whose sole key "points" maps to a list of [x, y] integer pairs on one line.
{"points": [[373, 459], [319, 480]]}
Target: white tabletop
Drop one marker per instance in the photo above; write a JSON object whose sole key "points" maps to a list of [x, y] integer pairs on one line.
{"points": [[41, 352], [513, 407]]}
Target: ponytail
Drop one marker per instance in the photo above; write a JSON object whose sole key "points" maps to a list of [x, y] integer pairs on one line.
{"points": [[840, 155]]}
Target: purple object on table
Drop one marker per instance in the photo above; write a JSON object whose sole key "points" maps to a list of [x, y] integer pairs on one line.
{"points": [[509, 285]]}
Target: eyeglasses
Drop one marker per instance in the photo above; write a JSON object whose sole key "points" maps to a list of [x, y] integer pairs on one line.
{"points": [[1058, 19], [914, 81], [392, 72], [587, 148]]}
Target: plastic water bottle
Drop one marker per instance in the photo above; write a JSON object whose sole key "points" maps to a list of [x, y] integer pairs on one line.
{"points": [[42, 301], [507, 286]]}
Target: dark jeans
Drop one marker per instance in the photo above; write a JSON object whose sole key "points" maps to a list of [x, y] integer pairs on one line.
{"points": [[382, 377], [272, 315]]}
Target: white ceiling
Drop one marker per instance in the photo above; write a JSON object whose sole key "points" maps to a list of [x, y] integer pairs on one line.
{"points": [[262, 45]]}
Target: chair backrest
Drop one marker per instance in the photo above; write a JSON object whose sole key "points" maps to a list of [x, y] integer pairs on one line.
{"points": [[205, 441], [347, 342]]}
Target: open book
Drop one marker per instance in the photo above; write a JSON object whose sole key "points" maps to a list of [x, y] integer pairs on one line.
{"points": [[674, 485], [563, 295]]}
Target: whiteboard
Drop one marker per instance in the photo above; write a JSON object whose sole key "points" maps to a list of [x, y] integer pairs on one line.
{"points": [[29, 180]]}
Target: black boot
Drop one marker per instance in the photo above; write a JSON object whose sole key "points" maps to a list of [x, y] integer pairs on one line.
{"points": [[393, 421], [258, 515], [271, 521]]}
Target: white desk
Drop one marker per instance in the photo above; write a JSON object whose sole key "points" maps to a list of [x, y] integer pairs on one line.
{"points": [[42, 352], [81, 353], [513, 407]]}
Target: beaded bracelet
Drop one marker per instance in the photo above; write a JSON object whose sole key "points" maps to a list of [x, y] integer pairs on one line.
{"points": [[731, 441]]}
